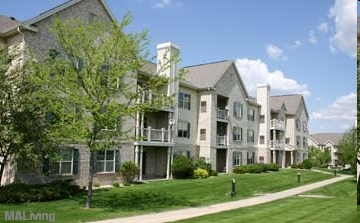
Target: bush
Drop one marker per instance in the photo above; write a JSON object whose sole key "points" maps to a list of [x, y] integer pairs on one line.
{"points": [[182, 167], [254, 168], [129, 171], [213, 173], [201, 163], [240, 169], [201, 173], [116, 184], [294, 166], [273, 167], [306, 164], [20, 193], [264, 167]]}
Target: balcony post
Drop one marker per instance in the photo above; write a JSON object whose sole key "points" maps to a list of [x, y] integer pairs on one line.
{"points": [[141, 163], [162, 135], [149, 134]]}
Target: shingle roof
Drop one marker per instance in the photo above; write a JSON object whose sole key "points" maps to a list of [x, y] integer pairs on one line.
{"points": [[322, 138], [206, 75], [291, 102], [8, 23]]}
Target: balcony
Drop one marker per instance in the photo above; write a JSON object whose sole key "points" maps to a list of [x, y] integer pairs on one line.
{"points": [[277, 124], [222, 114], [277, 144], [221, 140], [154, 135]]}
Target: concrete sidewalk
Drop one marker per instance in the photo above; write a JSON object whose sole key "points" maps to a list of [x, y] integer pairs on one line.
{"points": [[181, 214]]}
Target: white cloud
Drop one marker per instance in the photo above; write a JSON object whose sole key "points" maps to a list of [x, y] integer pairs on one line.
{"points": [[345, 17], [294, 45], [166, 3], [275, 52], [323, 27], [312, 37], [254, 72], [343, 108]]}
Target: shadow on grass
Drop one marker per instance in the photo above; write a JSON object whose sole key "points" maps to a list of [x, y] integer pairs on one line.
{"points": [[135, 200]]}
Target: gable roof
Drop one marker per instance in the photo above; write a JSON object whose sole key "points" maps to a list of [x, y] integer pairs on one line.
{"points": [[323, 138], [292, 103], [8, 23], [207, 75], [27, 24]]}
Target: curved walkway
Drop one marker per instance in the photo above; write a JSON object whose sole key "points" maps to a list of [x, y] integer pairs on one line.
{"points": [[181, 214]]}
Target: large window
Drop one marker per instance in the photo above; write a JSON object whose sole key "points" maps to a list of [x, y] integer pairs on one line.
{"points": [[238, 109], [184, 100], [250, 157], [183, 129], [65, 162], [107, 161], [203, 106], [251, 114], [250, 135], [298, 124], [237, 134], [298, 141], [237, 158]]}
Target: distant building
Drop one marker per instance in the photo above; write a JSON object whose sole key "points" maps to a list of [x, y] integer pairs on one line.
{"points": [[327, 141]]}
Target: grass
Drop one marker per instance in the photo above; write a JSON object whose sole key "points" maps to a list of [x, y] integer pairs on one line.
{"points": [[166, 195], [340, 208]]}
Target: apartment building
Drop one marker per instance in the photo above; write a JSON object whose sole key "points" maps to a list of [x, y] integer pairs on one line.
{"points": [[327, 141], [212, 116]]}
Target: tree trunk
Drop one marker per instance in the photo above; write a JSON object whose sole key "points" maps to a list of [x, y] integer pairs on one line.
{"points": [[2, 167], [90, 180]]}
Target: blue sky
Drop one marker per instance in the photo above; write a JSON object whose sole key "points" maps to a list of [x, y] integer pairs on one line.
{"points": [[306, 46]]}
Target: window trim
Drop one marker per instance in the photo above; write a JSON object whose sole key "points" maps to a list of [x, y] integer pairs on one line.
{"points": [[237, 158]]}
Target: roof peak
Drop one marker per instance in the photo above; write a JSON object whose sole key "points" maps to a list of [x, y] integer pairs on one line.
{"points": [[209, 63]]}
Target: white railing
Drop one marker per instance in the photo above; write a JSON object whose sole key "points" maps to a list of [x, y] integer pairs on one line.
{"points": [[222, 114], [277, 144], [276, 124], [154, 135], [221, 140]]}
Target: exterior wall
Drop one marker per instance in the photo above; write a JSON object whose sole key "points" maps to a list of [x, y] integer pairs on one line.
{"points": [[263, 98]]}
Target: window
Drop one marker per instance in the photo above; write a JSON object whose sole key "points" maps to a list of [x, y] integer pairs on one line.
{"points": [[287, 140], [250, 136], [305, 142], [183, 129], [304, 126], [184, 100], [237, 158], [262, 118], [202, 134], [298, 141], [65, 163], [251, 114], [250, 157], [203, 106], [107, 161], [262, 139], [298, 124], [238, 109], [237, 134]]}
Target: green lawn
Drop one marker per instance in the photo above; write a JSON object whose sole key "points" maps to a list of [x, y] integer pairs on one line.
{"points": [[340, 208], [166, 195]]}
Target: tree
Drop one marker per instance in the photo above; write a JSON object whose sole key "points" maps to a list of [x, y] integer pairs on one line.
{"points": [[318, 157], [22, 126], [347, 151], [91, 84]]}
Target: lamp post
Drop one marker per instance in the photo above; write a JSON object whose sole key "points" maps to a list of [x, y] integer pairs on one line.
{"points": [[298, 177]]}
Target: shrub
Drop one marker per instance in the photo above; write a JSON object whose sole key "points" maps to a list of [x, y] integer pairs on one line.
{"points": [[294, 166], [240, 169], [306, 164], [254, 168], [129, 171], [116, 184], [201, 173], [213, 173], [182, 167], [201, 163], [273, 167], [264, 167], [20, 193]]}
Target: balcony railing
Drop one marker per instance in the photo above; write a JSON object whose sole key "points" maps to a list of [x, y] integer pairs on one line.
{"points": [[222, 114], [277, 124], [277, 144], [221, 140], [154, 135]]}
